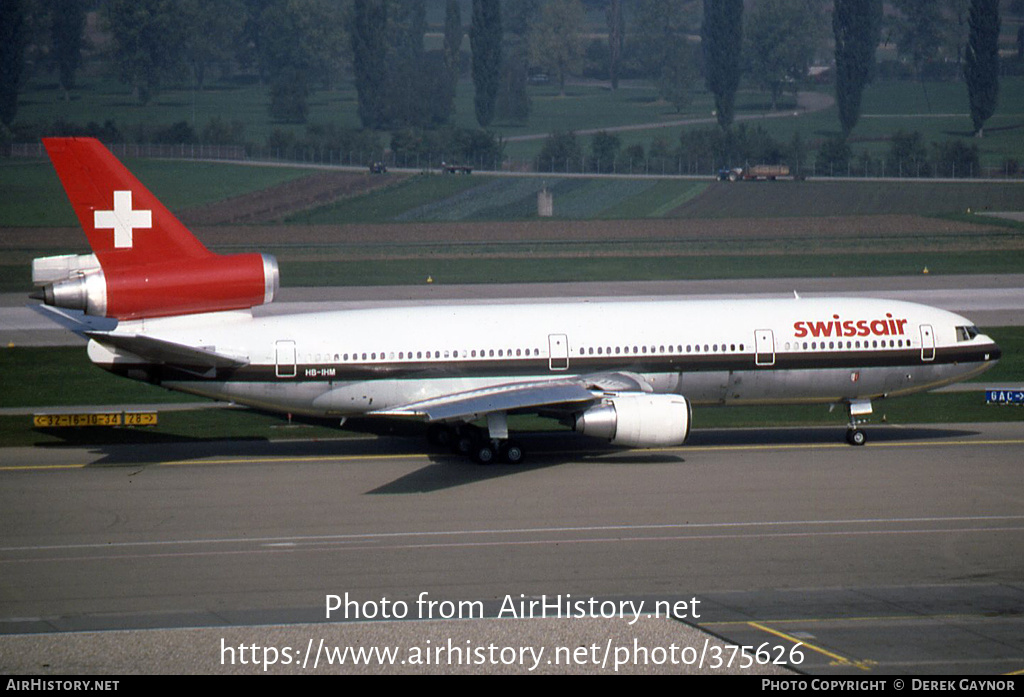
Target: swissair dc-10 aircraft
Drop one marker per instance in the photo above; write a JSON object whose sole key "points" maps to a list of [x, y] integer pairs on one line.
{"points": [[626, 371]]}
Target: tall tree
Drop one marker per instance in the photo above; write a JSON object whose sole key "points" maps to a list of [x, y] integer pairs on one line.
{"points": [[404, 94], [518, 17], [485, 42], [782, 36], [452, 40], [918, 29], [616, 32], [981, 64], [661, 28], [214, 29], [68, 24], [369, 52], [557, 39], [146, 37], [722, 42], [857, 27], [12, 57]]}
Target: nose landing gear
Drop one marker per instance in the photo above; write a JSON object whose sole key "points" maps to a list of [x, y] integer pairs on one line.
{"points": [[857, 409]]}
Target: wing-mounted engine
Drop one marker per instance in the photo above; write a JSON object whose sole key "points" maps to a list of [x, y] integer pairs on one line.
{"points": [[209, 284], [638, 419]]}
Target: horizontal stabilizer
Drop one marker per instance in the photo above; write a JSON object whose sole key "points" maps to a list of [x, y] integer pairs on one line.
{"points": [[75, 320], [167, 352]]}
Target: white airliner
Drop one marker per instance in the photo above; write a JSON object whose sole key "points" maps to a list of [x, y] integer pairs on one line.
{"points": [[626, 371]]}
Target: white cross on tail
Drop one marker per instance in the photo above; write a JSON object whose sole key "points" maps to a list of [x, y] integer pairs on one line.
{"points": [[123, 220]]}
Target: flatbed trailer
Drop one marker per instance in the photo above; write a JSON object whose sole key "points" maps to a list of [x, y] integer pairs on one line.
{"points": [[754, 172]]}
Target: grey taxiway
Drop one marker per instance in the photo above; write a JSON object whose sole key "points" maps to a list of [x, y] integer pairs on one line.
{"points": [[904, 556]]}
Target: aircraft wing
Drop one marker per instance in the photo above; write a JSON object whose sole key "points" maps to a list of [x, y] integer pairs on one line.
{"points": [[470, 405], [161, 351], [467, 406]]}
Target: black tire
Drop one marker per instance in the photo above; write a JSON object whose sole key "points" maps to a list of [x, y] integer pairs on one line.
{"points": [[440, 435], [512, 454], [463, 444], [485, 454], [465, 439], [855, 436]]}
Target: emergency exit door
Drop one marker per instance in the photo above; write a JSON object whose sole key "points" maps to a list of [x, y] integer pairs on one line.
{"points": [[558, 352], [764, 347]]}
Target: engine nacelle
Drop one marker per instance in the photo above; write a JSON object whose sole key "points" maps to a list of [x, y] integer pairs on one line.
{"points": [[208, 284], [638, 419]]}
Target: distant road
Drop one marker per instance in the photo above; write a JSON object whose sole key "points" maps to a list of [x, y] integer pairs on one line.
{"points": [[807, 102]]}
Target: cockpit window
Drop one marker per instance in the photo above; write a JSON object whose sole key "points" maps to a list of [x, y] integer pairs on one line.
{"points": [[966, 333]]}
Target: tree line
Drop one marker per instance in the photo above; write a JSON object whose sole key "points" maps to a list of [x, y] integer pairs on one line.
{"points": [[297, 46]]}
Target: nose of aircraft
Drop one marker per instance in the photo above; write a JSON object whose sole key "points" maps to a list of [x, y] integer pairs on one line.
{"points": [[996, 353]]}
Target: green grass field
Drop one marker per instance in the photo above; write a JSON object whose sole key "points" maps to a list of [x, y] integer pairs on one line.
{"points": [[31, 194], [537, 268], [939, 110], [430, 198]]}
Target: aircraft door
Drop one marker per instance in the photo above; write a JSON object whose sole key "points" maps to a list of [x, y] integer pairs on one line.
{"points": [[285, 359], [764, 347], [927, 343], [558, 352]]}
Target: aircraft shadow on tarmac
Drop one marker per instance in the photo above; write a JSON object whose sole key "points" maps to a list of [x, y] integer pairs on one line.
{"points": [[446, 469], [557, 449], [821, 435]]}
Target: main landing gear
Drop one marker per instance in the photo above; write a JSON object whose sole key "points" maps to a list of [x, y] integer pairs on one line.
{"points": [[857, 409], [483, 445]]}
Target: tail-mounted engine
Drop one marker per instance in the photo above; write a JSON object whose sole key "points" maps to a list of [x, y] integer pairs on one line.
{"points": [[638, 419], [208, 284]]}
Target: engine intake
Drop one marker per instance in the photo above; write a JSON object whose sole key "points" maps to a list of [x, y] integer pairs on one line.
{"points": [[638, 420]]}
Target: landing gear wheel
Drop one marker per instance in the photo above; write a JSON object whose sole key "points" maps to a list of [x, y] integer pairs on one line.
{"points": [[485, 454], [466, 439], [439, 434], [512, 453], [855, 436]]}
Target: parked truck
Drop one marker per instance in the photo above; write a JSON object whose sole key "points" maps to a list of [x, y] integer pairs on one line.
{"points": [[449, 168], [753, 172]]}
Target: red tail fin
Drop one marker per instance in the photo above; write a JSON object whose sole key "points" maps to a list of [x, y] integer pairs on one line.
{"points": [[150, 264], [124, 221]]}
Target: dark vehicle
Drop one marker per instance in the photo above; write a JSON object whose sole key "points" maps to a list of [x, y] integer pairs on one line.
{"points": [[753, 173], [378, 168], [449, 168]]}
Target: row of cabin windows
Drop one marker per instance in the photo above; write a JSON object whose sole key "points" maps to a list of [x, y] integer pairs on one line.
{"points": [[874, 343], [635, 350], [519, 352], [426, 355], [602, 350]]}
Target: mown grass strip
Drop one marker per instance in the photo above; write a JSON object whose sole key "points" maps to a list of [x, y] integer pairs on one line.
{"points": [[580, 267]]}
